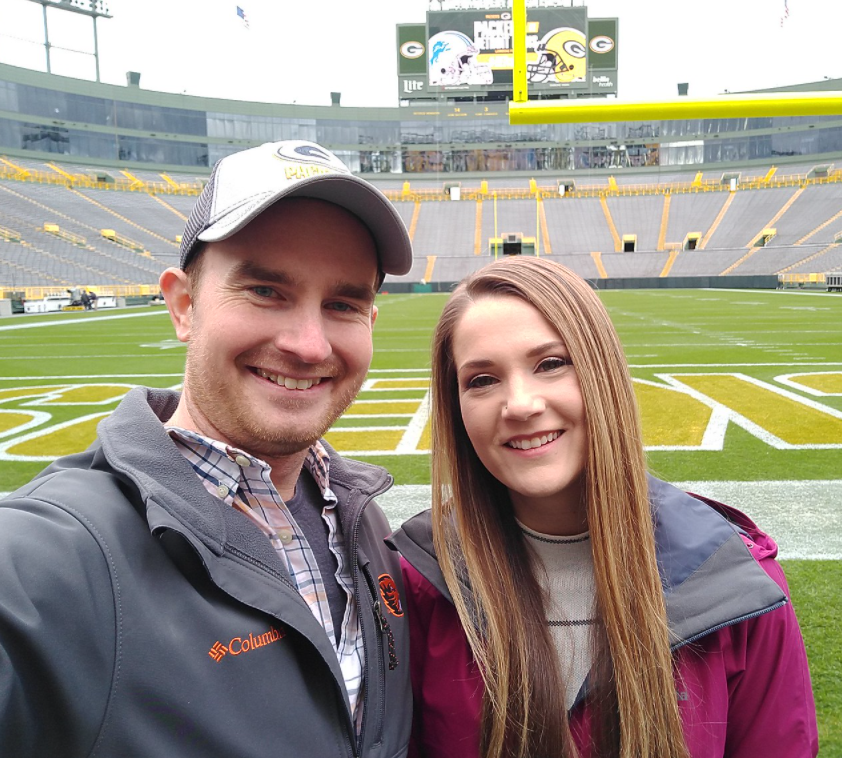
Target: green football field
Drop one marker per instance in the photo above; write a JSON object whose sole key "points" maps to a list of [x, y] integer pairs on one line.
{"points": [[740, 394]]}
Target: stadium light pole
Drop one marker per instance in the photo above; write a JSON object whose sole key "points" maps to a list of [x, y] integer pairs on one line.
{"points": [[93, 8], [597, 110]]}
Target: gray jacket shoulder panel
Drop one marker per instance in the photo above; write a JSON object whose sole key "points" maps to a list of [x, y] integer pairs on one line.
{"points": [[710, 578], [414, 541]]}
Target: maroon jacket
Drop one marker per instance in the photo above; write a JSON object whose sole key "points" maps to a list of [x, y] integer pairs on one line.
{"points": [[742, 679]]}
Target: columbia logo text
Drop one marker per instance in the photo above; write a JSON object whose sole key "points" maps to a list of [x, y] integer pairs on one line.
{"points": [[240, 645]]}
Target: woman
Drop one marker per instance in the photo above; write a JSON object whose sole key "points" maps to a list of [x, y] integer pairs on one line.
{"points": [[562, 602]]}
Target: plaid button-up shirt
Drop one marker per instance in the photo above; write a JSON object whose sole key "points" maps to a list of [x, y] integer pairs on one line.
{"points": [[243, 481]]}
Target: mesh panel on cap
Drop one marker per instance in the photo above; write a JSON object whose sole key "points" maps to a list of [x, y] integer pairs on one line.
{"points": [[199, 217]]}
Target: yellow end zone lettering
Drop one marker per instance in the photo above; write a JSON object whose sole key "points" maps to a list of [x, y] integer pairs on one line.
{"points": [[679, 412], [788, 420]]}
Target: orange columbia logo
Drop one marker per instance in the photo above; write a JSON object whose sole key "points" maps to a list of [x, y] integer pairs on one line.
{"points": [[390, 595], [239, 645]]}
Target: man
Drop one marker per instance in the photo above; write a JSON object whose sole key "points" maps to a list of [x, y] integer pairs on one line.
{"points": [[209, 578]]}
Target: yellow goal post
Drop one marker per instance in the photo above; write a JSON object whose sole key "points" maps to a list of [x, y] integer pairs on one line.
{"points": [[597, 110]]}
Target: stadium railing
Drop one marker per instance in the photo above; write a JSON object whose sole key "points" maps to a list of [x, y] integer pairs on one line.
{"points": [[66, 179], [612, 189]]}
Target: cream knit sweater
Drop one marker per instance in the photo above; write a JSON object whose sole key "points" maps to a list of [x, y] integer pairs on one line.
{"points": [[564, 569]]}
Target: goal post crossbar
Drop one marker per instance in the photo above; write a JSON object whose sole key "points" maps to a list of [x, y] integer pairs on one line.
{"points": [[598, 110]]}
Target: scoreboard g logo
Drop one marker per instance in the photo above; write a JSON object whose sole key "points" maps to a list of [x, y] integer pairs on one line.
{"points": [[412, 50], [602, 44]]}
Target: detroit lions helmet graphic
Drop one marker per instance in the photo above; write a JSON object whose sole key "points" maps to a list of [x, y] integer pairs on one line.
{"points": [[561, 57], [452, 60]]}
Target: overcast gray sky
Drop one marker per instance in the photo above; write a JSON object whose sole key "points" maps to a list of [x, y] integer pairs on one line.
{"points": [[301, 50]]}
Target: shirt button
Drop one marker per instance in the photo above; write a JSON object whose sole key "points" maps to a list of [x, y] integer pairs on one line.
{"points": [[222, 491], [285, 536], [241, 460]]}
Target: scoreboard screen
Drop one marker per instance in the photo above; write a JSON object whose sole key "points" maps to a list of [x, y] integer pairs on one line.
{"points": [[472, 52]]}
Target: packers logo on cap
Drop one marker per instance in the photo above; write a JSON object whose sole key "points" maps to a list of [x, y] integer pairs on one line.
{"points": [[308, 152]]}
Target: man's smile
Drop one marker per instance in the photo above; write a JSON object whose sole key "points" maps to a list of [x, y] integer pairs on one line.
{"points": [[288, 382]]}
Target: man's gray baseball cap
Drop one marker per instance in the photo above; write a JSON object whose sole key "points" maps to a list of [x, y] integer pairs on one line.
{"points": [[244, 184]]}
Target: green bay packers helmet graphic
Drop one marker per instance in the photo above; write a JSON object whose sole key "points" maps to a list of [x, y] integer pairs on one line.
{"points": [[452, 60], [560, 57]]}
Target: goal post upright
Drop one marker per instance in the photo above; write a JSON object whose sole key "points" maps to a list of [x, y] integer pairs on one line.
{"points": [[520, 93]]}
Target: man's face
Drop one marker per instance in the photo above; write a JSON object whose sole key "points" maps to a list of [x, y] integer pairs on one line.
{"points": [[279, 328]]}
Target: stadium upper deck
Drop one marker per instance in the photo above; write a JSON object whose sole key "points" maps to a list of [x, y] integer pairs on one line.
{"points": [[47, 116]]}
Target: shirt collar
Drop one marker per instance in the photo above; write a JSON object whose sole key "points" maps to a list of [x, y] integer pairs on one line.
{"points": [[317, 460]]}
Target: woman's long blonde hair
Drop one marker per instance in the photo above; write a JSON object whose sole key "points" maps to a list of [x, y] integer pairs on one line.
{"points": [[486, 563]]}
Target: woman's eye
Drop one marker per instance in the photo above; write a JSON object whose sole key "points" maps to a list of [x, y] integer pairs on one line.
{"points": [[551, 364], [480, 381]]}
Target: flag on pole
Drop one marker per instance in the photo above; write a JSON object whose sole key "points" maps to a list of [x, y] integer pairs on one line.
{"points": [[242, 14]]}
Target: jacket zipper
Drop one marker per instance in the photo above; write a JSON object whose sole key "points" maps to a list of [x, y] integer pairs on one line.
{"points": [[262, 566], [384, 629], [356, 570], [381, 622], [288, 583]]}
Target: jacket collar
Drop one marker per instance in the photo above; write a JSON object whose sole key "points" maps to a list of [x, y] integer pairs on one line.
{"points": [[709, 577], [138, 447]]}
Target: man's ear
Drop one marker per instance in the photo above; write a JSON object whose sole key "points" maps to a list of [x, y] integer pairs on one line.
{"points": [[373, 315], [178, 295]]}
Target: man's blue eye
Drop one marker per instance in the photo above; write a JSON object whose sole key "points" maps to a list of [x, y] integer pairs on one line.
{"points": [[262, 291]]}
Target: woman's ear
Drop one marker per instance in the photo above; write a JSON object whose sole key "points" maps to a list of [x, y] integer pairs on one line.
{"points": [[178, 295]]}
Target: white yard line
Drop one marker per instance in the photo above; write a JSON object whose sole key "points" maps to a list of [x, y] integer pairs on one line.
{"points": [[771, 292], [732, 365], [78, 321], [39, 377], [802, 516], [415, 428]]}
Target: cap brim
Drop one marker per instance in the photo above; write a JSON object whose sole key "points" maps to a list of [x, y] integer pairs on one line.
{"points": [[357, 196]]}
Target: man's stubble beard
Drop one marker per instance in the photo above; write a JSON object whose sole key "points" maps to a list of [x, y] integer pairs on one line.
{"points": [[210, 404]]}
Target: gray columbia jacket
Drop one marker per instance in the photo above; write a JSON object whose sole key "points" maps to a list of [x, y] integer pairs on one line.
{"points": [[141, 616]]}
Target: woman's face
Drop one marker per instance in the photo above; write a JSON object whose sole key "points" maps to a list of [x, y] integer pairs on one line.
{"points": [[522, 408]]}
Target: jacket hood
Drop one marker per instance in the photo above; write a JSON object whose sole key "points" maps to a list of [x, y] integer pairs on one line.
{"points": [[710, 577]]}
